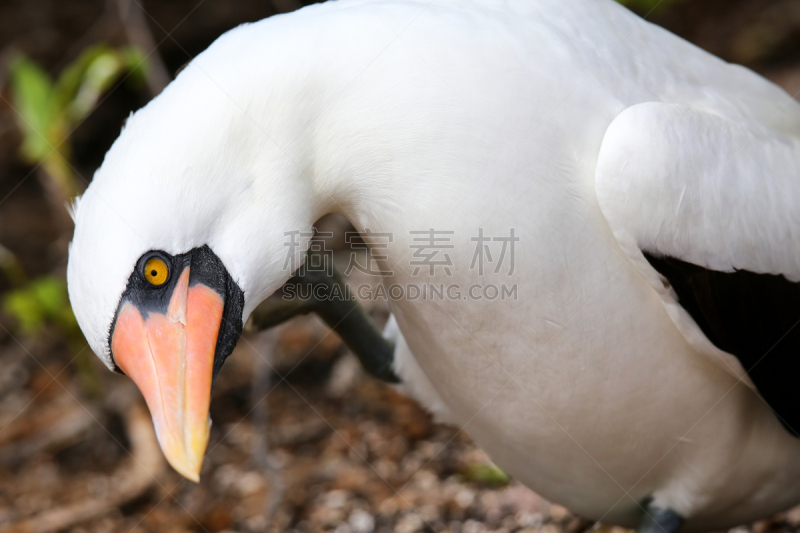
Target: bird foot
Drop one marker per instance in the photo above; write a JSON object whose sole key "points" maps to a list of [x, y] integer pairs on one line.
{"points": [[659, 520]]}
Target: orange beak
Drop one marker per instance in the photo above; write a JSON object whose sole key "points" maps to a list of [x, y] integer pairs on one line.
{"points": [[170, 357]]}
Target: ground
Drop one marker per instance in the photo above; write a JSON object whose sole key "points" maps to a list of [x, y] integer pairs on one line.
{"points": [[301, 439]]}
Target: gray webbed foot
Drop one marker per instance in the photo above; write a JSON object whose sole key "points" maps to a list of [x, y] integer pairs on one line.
{"points": [[659, 520]]}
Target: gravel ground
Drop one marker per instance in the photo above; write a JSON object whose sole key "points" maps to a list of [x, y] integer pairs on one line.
{"points": [[318, 448]]}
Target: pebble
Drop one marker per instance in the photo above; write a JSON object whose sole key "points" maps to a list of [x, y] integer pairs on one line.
{"points": [[527, 519], [249, 483], [464, 497], [336, 499], [559, 513], [409, 523], [473, 526], [426, 480], [361, 521]]}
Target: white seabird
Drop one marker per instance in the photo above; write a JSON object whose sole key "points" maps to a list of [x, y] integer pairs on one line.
{"points": [[644, 372]]}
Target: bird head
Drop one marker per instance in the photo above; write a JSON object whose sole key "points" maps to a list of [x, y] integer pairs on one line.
{"points": [[180, 235]]}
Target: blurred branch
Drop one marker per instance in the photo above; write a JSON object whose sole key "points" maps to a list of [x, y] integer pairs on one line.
{"points": [[646, 6], [129, 481], [67, 430], [139, 35], [285, 6], [262, 381], [773, 29], [6, 56]]}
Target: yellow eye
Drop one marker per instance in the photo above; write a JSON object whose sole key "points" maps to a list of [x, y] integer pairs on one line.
{"points": [[156, 271]]}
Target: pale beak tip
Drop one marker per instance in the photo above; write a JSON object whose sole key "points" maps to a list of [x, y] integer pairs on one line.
{"points": [[186, 454], [185, 466], [191, 476]]}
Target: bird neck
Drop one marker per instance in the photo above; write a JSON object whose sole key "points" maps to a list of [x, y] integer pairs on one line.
{"points": [[318, 133]]}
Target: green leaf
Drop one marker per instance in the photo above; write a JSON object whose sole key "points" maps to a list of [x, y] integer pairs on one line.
{"points": [[11, 267], [485, 473], [71, 78], [42, 301], [100, 74], [51, 295], [25, 311], [48, 112], [136, 63], [32, 91]]}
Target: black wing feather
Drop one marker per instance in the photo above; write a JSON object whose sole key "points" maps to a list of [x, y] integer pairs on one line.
{"points": [[755, 317]]}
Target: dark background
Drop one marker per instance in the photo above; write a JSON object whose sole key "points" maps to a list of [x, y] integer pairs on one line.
{"points": [[310, 443]]}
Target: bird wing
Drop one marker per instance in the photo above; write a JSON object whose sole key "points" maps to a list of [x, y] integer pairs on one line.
{"points": [[708, 209]]}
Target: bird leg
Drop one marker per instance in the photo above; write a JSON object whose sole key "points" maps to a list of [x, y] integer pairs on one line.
{"points": [[326, 295], [659, 520]]}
